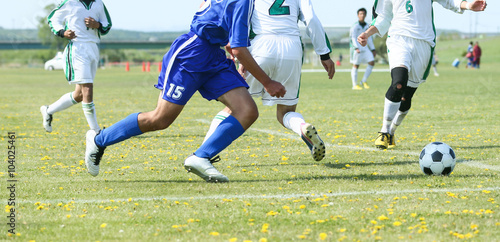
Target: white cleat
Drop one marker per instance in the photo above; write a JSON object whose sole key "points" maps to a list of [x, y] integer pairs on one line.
{"points": [[47, 118], [203, 168], [311, 138], [93, 153]]}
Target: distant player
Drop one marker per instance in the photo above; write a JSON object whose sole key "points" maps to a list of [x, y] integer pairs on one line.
{"points": [[361, 54], [82, 22], [196, 62], [277, 48], [410, 45]]}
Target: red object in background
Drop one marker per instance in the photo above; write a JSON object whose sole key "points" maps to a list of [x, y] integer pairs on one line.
{"points": [[127, 66], [143, 66], [338, 63], [159, 66], [148, 67]]}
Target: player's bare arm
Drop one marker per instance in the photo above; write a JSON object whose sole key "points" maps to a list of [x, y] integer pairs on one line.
{"points": [[363, 37], [476, 6], [92, 23], [274, 88]]}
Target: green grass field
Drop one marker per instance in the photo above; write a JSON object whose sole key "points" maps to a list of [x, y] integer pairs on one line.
{"points": [[276, 191]]}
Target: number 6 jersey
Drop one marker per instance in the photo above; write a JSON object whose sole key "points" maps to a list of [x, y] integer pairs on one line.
{"points": [[411, 18]]}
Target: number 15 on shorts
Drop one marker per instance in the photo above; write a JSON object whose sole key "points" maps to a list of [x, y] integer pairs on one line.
{"points": [[175, 92]]}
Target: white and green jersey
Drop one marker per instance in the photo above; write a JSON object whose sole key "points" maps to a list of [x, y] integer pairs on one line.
{"points": [[411, 18], [355, 31], [71, 14], [280, 17]]}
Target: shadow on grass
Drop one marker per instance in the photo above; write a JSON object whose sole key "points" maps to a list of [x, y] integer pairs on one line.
{"points": [[358, 177]]}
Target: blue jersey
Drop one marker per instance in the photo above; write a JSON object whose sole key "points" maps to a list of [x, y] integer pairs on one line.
{"points": [[224, 21]]}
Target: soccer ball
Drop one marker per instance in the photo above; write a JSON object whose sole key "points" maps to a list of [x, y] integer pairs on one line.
{"points": [[437, 158]]}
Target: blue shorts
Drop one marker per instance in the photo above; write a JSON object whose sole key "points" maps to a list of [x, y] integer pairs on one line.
{"points": [[193, 64]]}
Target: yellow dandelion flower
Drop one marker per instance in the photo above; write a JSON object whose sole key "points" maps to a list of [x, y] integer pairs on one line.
{"points": [[262, 240], [397, 224], [323, 236], [382, 218], [103, 225], [214, 233]]}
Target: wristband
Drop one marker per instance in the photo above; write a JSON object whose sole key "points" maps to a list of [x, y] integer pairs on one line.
{"points": [[468, 6], [325, 57]]}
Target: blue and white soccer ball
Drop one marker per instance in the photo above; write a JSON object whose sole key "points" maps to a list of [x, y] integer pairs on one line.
{"points": [[437, 158]]}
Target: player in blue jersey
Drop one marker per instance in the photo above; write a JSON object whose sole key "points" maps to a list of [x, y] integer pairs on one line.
{"points": [[196, 62]]}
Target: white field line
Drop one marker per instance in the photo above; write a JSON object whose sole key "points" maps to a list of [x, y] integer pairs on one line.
{"points": [[264, 196], [344, 70], [470, 163]]}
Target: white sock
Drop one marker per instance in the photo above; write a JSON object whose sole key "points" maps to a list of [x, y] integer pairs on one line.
{"points": [[215, 123], [368, 72], [64, 102], [390, 110], [89, 111], [398, 119], [435, 70], [293, 121], [354, 76]]}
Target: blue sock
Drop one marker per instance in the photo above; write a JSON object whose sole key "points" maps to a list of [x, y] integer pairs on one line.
{"points": [[227, 131], [118, 132]]}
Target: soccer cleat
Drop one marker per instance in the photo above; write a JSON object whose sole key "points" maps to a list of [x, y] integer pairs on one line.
{"points": [[436, 74], [93, 153], [392, 142], [311, 138], [357, 87], [203, 168], [47, 118], [382, 141], [365, 85]]}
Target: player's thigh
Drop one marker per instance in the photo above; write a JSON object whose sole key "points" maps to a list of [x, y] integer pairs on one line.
{"points": [[225, 79], [83, 60], [268, 65], [288, 73], [399, 52], [421, 63]]}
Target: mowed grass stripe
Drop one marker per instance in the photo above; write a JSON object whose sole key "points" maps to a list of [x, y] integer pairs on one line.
{"points": [[471, 163], [273, 196]]}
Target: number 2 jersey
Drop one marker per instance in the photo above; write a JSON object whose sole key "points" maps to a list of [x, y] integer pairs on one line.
{"points": [[411, 18], [280, 17]]}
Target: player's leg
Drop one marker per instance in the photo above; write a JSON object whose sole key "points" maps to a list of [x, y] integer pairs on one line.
{"points": [[354, 77], [400, 58], [65, 101], [88, 106], [216, 121], [392, 103], [295, 121], [233, 126], [133, 125], [421, 64], [368, 72], [404, 108]]}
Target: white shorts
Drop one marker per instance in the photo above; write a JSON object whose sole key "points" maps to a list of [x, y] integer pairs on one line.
{"points": [[81, 60], [281, 58], [414, 54], [362, 57]]}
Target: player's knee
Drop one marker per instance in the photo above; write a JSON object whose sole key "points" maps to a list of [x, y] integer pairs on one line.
{"points": [[405, 105], [406, 99], [78, 96], [399, 77], [399, 82]]}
